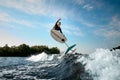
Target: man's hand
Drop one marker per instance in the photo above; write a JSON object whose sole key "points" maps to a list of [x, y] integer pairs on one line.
{"points": [[59, 19]]}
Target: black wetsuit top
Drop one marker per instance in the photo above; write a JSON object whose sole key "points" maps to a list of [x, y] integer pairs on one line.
{"points": [[56, 27]]}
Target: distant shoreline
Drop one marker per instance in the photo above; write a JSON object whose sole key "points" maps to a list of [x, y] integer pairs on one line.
{"points": [[24, 50], [115, 48]]}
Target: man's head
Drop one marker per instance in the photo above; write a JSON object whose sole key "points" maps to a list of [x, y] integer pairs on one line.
{"points": [[59, 23]]}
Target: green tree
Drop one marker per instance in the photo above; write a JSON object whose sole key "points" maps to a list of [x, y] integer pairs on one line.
{"points": [[23, 50], [54, 50], [6, 49]]}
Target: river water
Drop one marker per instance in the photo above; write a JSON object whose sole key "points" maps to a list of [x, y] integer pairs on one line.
{"points": [[99, 65]]}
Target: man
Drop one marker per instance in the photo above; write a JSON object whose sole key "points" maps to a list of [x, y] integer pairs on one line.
{"points": [[57, 25]]}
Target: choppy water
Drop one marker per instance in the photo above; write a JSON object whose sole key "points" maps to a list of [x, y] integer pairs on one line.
{"points": [[100, 65]]}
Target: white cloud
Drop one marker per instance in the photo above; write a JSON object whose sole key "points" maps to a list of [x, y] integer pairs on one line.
{"points": [[8, 19], [107, 33], [114, 26], [115, 22], [4, 17], [37, 7], [40, 7], [86, 4], [73, 30], [111, 30], [109, 37], [67, 31], [88, 7], [24, 22], [79, 33], [79, 2], [86, 23], [6, 38]]}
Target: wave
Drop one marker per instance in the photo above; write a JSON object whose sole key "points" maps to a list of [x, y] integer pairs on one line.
{"points": [[42, 57], [103, 64]]}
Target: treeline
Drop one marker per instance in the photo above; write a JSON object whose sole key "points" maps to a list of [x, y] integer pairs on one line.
{"points": [[24, 50], [115, 48]]}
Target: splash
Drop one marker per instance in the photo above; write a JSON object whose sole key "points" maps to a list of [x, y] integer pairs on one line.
{"points": [[103, 64], [41, 57]]}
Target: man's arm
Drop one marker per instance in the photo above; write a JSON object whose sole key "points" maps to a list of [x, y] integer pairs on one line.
{"points": [[60, 30], [58, 20]]}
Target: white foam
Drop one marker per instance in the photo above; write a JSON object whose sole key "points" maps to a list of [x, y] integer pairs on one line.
{"points": [[103, 64], [41, 57]]}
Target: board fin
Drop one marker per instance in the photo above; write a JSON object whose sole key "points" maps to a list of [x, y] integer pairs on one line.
{"points": [[70, 49]]}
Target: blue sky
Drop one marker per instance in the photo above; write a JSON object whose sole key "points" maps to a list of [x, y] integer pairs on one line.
{"points": [[91, 24]]}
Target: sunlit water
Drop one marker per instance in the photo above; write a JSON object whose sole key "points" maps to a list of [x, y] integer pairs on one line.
{"points": [[99, 65]]}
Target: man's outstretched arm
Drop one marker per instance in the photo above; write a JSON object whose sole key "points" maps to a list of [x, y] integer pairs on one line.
{"points": [[58, 20]]}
